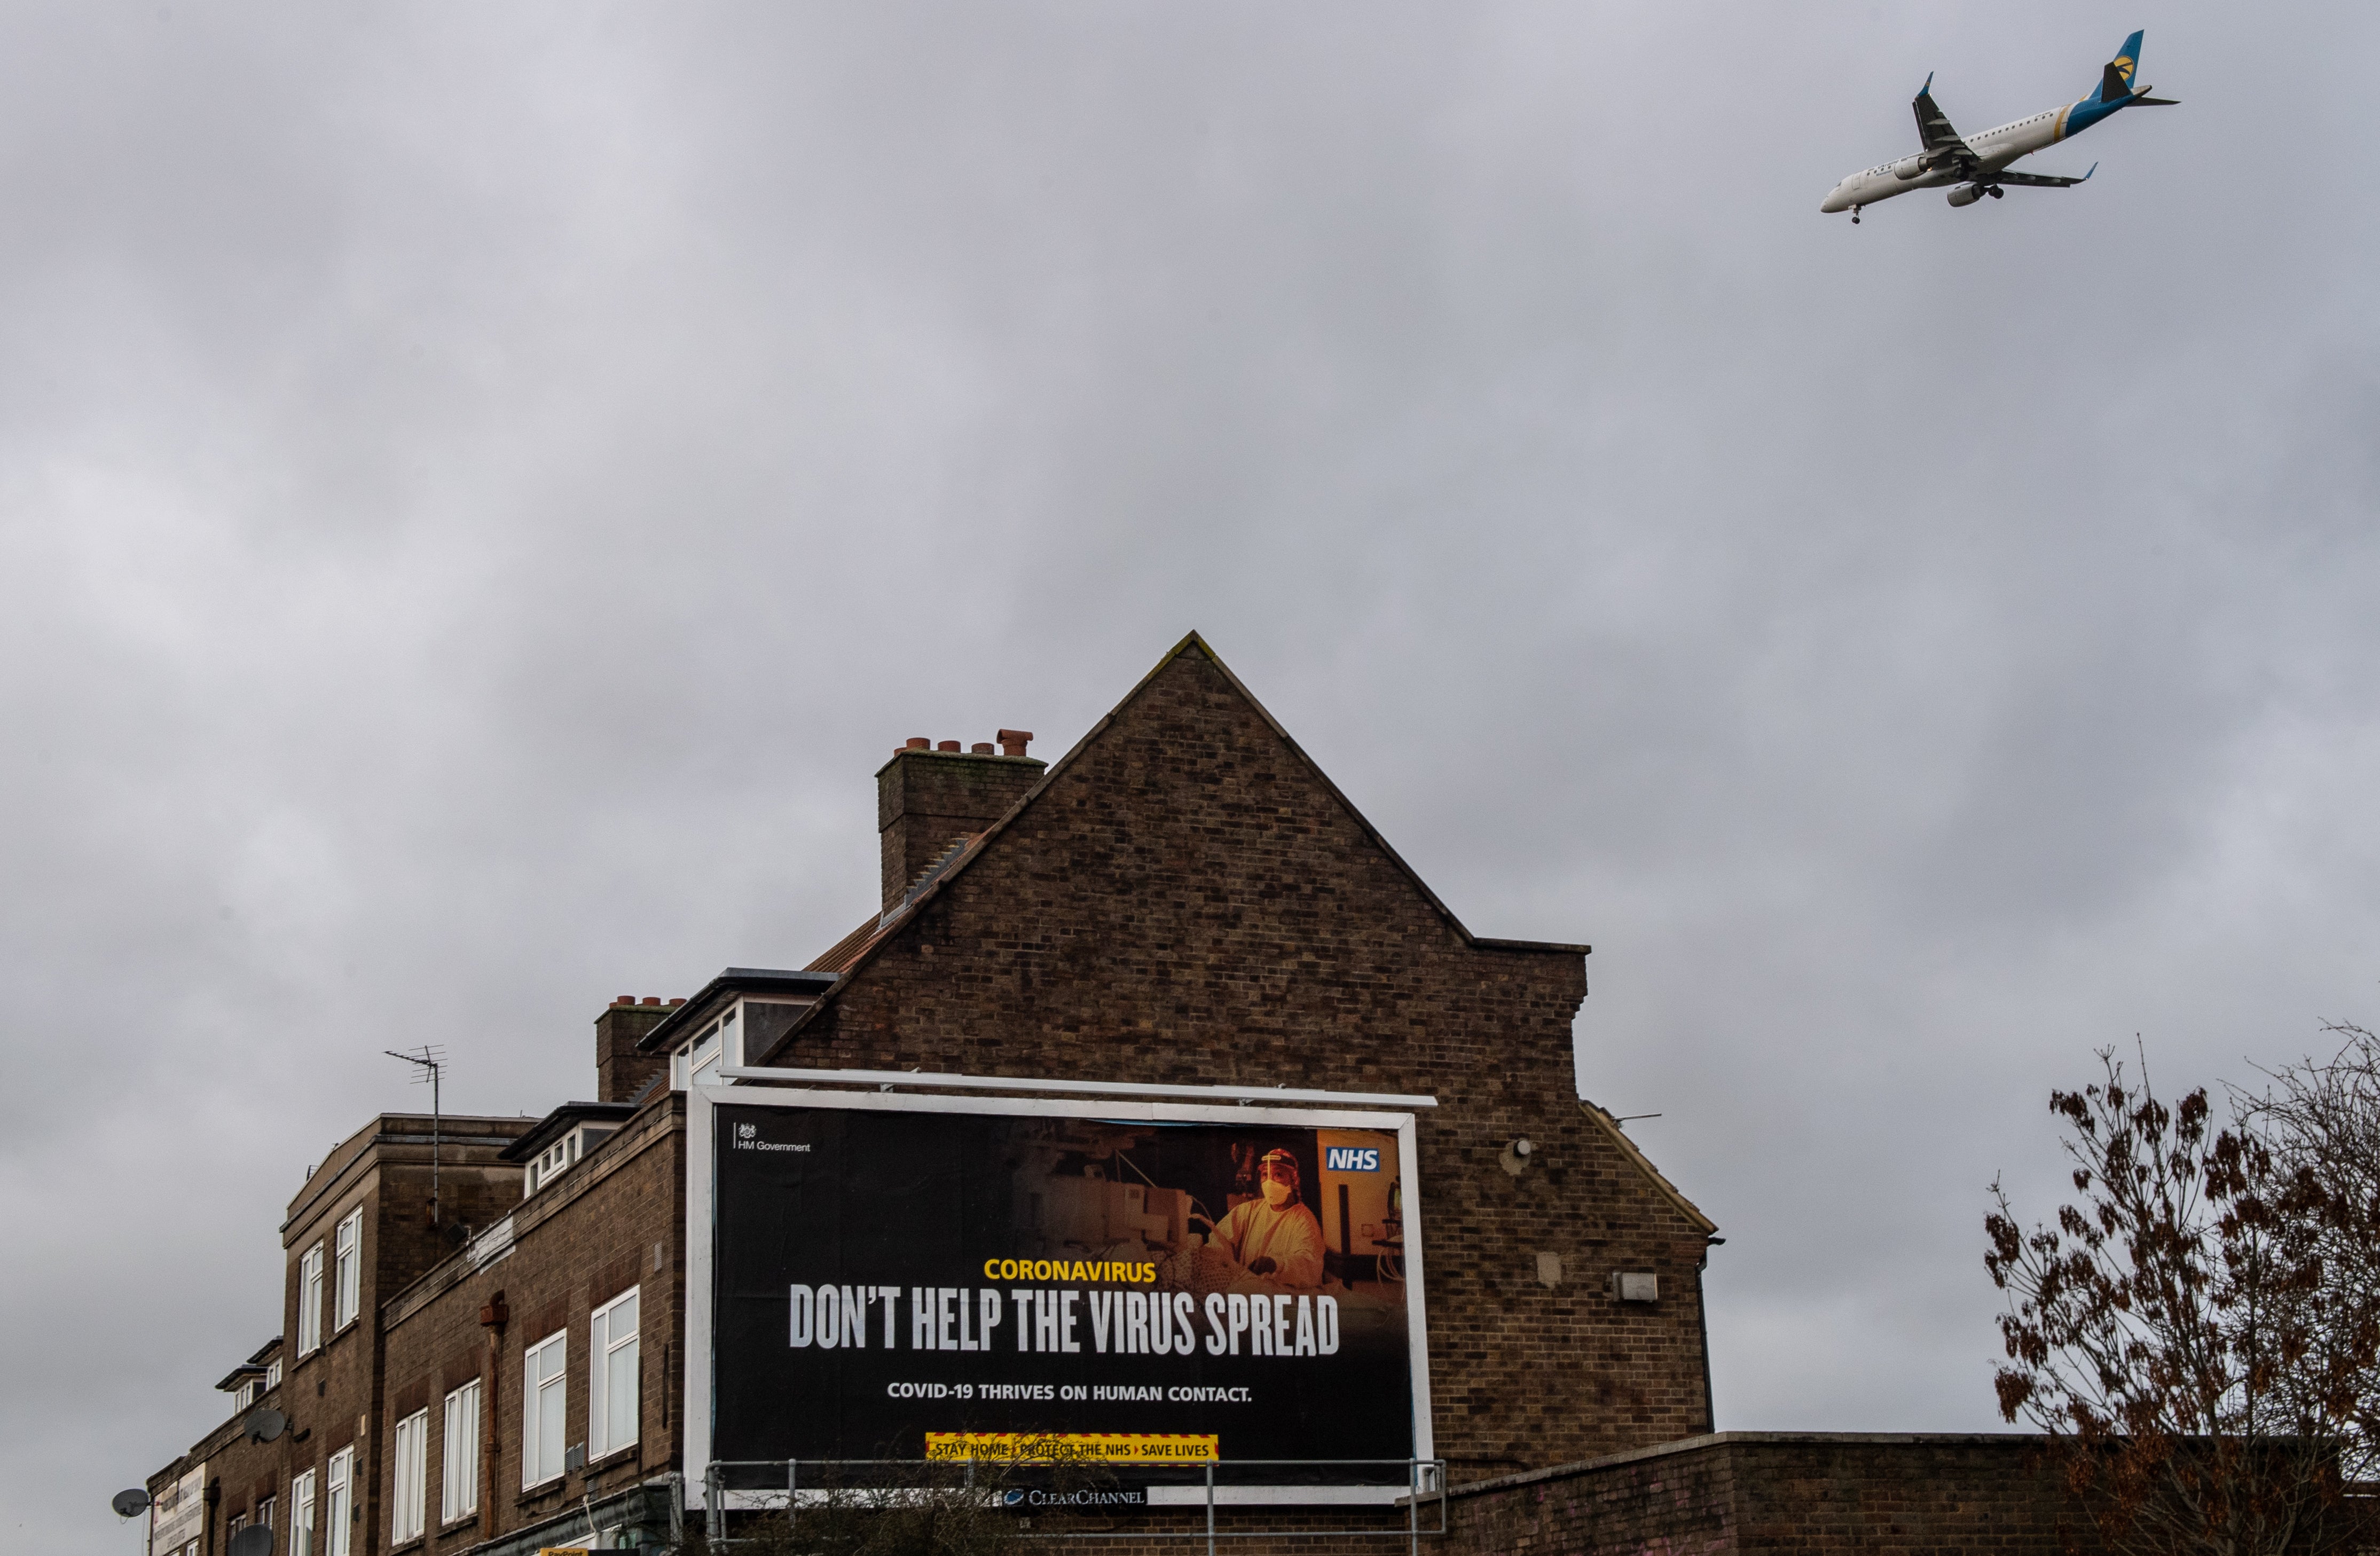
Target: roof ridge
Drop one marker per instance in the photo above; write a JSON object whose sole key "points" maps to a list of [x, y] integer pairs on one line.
{"points": [[926, 890]]}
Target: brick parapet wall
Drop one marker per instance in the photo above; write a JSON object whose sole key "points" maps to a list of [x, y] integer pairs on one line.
{"points": [[1743, 1492], [663, 1114]]}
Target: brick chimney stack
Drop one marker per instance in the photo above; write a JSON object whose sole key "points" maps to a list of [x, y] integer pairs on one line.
{"points": [[928, 799], [619, 1071]]}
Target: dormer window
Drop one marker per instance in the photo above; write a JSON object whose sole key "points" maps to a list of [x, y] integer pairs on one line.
{"points": [[558, 1157], [741, 1035], [561, 1139], [254, 1377]]}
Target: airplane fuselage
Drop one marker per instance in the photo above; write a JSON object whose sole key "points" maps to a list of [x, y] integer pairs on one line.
{"points": [[1994, 149], [1979, 164]]}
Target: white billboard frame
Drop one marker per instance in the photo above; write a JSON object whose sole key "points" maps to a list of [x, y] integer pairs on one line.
{"points": [[701, 1207]]}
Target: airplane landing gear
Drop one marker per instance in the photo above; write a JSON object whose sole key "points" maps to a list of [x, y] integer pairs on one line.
{"points": [[1856, 211], [1995, 191]]}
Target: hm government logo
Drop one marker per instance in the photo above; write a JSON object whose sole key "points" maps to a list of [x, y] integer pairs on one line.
{"points": [[747, 1137]]}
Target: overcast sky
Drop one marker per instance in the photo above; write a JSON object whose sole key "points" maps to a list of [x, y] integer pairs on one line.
{"points": [[482, 489]]}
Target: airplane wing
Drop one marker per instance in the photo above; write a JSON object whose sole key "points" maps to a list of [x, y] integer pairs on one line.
{"points": [[1943, 146], [2040, 180]]}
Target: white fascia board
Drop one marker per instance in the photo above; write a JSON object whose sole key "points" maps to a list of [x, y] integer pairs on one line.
{"points": [[945, 1082]]}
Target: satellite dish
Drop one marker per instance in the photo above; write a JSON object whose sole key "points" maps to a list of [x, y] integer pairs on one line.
{"points": [[263, 1426], [254, 1541], [129, 1504]]}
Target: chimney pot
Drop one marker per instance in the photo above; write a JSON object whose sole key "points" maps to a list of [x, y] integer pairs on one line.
{"points": [[948, 746], [679, 1001], [981, 748], [1013, 741], [918, 743], [652, 998], [623, 999]]}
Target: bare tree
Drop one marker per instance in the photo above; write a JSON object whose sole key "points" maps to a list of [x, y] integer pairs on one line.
{"points": [[2321, 1121], [2198, 1363]]}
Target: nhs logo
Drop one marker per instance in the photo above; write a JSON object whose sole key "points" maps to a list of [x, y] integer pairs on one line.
{"points": [[1350, 1158]]}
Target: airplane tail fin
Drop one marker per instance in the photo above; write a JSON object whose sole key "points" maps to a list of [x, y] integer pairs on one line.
{"points": [[2116, 81]]}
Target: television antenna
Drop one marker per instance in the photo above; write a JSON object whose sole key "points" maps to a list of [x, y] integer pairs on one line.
{"points": [[430, 1063]]}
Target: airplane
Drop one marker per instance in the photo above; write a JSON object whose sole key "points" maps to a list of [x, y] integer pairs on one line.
{"points": [[1979, 166]]}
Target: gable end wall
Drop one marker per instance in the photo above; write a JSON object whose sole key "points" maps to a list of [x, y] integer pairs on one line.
{"points": [[1187, 900]]}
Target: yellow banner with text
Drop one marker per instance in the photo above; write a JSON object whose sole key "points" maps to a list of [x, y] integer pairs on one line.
{"points": [[1101, 1448]]}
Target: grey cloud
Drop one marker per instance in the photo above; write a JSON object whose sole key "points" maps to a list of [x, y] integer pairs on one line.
{"points": [[483, 491]]}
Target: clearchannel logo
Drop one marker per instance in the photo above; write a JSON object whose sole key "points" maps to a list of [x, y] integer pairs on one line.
{"points": [[1032, 1498], [1350, 1158]]}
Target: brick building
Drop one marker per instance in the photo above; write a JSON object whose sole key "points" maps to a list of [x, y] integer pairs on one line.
{"points": [[300, 1446], [1184, 897]]}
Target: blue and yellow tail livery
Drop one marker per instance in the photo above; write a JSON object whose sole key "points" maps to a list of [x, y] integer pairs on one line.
{"points": [[2116, 90], [2116, 81]]}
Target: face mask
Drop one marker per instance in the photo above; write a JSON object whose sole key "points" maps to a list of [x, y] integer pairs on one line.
{"points": [[1276, 1193]]}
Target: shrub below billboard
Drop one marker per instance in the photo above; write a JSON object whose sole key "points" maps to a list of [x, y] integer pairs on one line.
{"points": [[1030, 1285]]}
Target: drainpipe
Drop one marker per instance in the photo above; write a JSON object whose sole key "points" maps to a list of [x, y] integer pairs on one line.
{"points": [[1702, 1318], [492, 1318]]}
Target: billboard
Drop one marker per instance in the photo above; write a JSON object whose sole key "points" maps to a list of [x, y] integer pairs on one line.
{"points": [[1135, 1286]]}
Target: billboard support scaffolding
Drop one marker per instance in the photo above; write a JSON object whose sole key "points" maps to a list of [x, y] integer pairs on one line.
{"points": [[1424, 1482]]}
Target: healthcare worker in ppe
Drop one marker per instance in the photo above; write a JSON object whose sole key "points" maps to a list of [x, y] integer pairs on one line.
{"points": [[1275, 1236]]}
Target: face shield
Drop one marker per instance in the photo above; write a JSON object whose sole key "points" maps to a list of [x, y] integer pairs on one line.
{"points": [[1277, 1178]]}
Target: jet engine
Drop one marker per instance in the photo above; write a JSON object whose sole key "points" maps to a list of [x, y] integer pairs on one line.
{"points": [[1966, 194]]}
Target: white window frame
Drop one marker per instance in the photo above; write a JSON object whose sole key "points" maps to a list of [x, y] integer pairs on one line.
{"points": [[458, 1455], [536, 1451], [409, 1478], [549, 1164], [339, 1503], [604, 1350], [301, 1513], [272, 1375], [697, 1062], [310, 1300], [346, 1264], [562, 1155]]}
